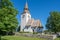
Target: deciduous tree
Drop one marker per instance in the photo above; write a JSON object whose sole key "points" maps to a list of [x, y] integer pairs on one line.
{"points": [[53, 22]]}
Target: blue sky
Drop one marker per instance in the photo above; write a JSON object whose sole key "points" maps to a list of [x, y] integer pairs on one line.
{"points": [[39, 9]]}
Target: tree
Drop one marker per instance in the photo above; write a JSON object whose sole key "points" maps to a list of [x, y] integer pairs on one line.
{"points": [[8, 20], [53, 22]]}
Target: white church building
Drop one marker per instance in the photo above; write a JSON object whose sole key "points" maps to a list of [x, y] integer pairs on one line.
{"points": [[29, 24]]}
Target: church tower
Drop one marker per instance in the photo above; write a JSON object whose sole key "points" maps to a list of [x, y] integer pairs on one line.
{"points": [[25, 16]]}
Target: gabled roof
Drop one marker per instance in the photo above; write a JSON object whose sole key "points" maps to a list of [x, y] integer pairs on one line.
{"points": [[34, 23]]}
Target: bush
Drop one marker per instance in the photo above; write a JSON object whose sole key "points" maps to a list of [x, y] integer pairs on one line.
{"points": [[35, 33], [3, 33]]}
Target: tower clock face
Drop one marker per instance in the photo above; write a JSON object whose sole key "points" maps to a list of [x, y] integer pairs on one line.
{"points": [[23, 16]]}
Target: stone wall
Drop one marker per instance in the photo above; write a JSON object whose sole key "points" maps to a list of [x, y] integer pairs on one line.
{"points": [[48, 37]]}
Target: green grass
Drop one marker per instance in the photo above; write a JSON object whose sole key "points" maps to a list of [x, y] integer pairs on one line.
{"points": [[57, 39], [20, 38]]}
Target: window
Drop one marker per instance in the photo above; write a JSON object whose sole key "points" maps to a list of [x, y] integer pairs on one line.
{"points": [[28, 16], [23, 16]]}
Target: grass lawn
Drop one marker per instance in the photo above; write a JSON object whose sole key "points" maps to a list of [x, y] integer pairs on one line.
{"points": [[57, 39], [20, 38]]}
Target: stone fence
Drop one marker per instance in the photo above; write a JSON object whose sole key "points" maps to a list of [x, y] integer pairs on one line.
{"points": [[48, 37]]}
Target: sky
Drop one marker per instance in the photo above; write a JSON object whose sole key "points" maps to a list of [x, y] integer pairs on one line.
{"points": [[39, 9]]}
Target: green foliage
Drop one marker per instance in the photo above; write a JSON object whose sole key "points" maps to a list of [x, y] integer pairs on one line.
{"points": [[35, 33], [0, 37], [53, 22], [8, 21], [5, 3]]}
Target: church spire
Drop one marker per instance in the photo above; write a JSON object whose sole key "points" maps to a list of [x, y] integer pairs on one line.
{"points": [[26, 5], [26, 10]]}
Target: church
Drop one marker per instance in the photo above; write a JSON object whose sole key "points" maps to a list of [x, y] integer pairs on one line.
{"points": [[29, 24]]}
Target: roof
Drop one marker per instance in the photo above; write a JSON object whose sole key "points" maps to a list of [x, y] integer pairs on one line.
{"points": [[30, 22], [34, 23], [26, 5]]}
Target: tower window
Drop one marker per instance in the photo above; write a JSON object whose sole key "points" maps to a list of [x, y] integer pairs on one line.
{"points": [[23, 16]]}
